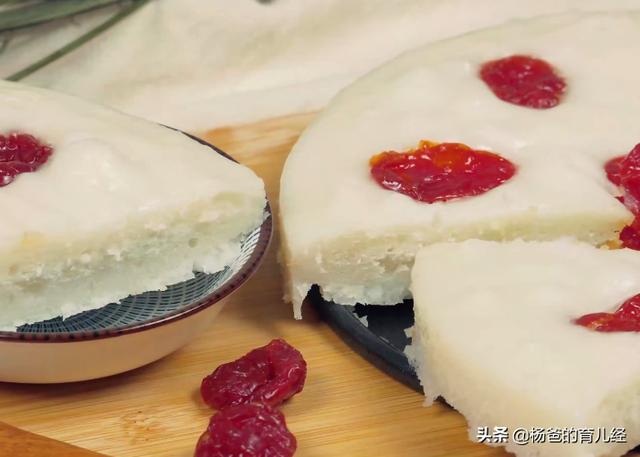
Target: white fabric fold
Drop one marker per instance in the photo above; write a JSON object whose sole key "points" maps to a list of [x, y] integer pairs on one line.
{"points": [[199, 64]]}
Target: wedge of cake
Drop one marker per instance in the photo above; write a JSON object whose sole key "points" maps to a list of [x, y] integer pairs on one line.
{"points": [[442, 144], [533, 336], [97, 205]]}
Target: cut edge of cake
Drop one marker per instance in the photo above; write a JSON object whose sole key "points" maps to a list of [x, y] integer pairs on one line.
{"points": [[148, 253], [384, 260]]}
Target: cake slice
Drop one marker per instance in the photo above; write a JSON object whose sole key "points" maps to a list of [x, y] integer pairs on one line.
{"points": [[496, 336], [356, 239], [97, 205]]}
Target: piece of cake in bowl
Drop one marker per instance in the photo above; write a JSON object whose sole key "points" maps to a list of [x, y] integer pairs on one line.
{"points": [[538, 341], [97, 205], [498, 134]]}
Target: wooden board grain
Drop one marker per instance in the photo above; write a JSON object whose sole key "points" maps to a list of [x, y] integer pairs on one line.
{"points": [[15, 442], [348, 407]]}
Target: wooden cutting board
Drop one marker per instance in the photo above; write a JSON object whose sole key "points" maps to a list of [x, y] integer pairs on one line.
{"points": [[348, 407], [15, 442]]}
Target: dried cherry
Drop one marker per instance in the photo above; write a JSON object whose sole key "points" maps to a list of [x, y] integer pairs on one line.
{"points": [[524, 80], [20, 153], [270, 374], [249, 430]]}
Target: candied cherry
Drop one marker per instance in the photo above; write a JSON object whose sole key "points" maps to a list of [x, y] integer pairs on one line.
{"points": [[623, 167], [613, 169], [440, 171], [249, 430], [270, 374], [20, 153], [524, 80], [624, 172], [625, 319], [630, 235]]}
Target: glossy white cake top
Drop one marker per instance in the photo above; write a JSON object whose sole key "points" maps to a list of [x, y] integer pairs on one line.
{"points": [[434, 93], [106, 167], [497, 317]]}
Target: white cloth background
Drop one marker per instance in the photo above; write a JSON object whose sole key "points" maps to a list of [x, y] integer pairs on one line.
{"points": [[199, 64]]}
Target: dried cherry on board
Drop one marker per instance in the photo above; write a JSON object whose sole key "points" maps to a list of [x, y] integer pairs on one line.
{"points": [[250, 430], [270, 375]]}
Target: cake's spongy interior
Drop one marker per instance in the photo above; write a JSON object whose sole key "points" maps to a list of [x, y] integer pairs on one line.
{"points": [[44, 278], [374, 268]]}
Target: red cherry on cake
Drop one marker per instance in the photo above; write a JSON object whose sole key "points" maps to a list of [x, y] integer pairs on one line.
{"points": [[625, 319], [524, 80], [20, 153], [440, 172], [613, 169], [624, 171], [630, 235]]}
